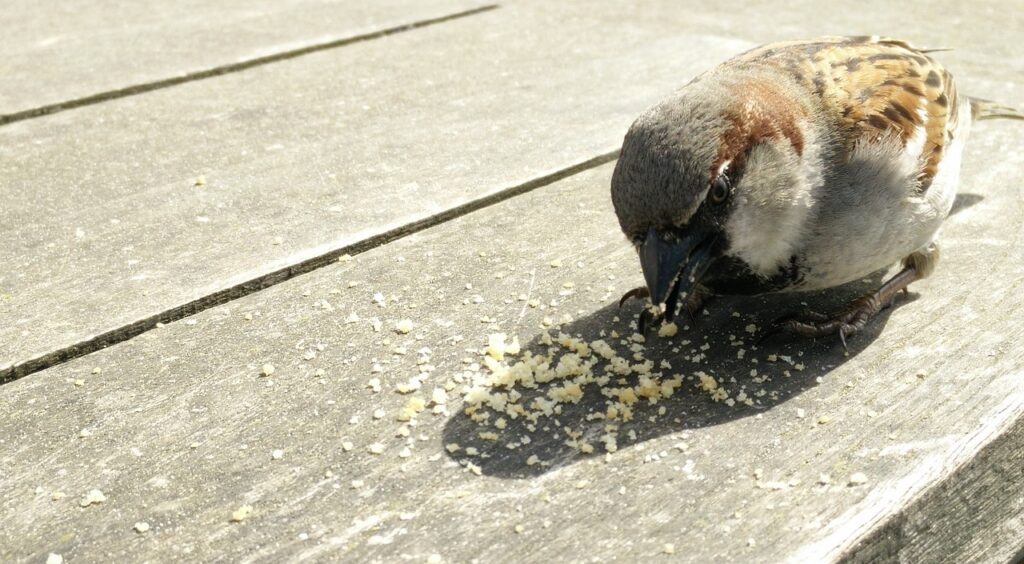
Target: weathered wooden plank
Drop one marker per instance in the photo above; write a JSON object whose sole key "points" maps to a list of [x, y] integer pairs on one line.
{"points": [[103, 226], [58, 53], [181, 429]]}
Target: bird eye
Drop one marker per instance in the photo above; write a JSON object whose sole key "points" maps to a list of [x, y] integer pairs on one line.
{"points": [[719, 189]]}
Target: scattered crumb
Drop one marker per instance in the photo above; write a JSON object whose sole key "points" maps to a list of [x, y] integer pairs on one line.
{"points": [[376, 448], [557, 263], [824, 419], [277, 454], [345, 258], [404, 326], [922, 374], [200, 180], [141, 527], [669, 548], [824, 479], [858, 479], [94, 497], [241, 514], [54, 558], [268, 369], [668, 330]]}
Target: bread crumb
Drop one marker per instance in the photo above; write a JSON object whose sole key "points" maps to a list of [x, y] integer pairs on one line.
{"points": [[277, 454], [412, 407], [200, 180], [824, 479], [532, 460], [356, 484], [376, 448], [141, 527], [404, 326], [267, 370], [94, 497], [345, 258], [347, 446], [668, 330], [800, 413], [858, 479], [241, 514], [669, 548], [823, 420], [557, 263], [54, 558], [496, 346], [519, 529], [922, 374]]}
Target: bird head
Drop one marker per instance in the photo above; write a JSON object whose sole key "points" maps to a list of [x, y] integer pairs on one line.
{"points": [[718, 169]]}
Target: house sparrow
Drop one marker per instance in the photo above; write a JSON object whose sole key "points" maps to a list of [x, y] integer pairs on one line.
{"points": [[795, 166]]}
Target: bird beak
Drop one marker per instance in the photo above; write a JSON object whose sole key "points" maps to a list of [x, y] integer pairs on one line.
{"points": [[673, 262]]}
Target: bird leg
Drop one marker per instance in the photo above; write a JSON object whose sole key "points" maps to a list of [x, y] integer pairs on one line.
{"points": [[857, 315]]}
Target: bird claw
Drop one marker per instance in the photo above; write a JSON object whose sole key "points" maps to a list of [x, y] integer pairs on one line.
{"points": [[640, 292], [813, 324]]}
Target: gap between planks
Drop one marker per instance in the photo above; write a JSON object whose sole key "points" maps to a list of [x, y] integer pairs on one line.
{"points": [[144, 87], [129, 331]]}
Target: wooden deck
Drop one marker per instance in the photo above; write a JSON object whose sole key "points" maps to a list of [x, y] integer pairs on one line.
{"points": [[178, 184]]}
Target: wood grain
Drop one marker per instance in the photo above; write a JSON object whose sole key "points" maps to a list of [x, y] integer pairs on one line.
{"points": [[182, 426]]}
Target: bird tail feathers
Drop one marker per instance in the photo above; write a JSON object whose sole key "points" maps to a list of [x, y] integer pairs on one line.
{"points": [[987, 109]]}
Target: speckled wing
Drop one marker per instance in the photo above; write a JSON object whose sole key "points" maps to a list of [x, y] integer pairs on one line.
{"points": [[874, 87]]}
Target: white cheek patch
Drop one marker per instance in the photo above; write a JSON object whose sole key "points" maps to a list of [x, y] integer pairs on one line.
{"points": [[770, 214]]}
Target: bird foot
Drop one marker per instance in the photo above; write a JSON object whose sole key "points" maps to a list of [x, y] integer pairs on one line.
{"points": [[813, 324], [852, 319]]}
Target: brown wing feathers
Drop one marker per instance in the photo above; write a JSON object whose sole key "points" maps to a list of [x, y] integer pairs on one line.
{"points": [[881, 87]]}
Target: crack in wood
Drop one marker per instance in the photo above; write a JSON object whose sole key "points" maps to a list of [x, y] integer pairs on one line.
{"points": [[18, 370], [144, 87]]}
